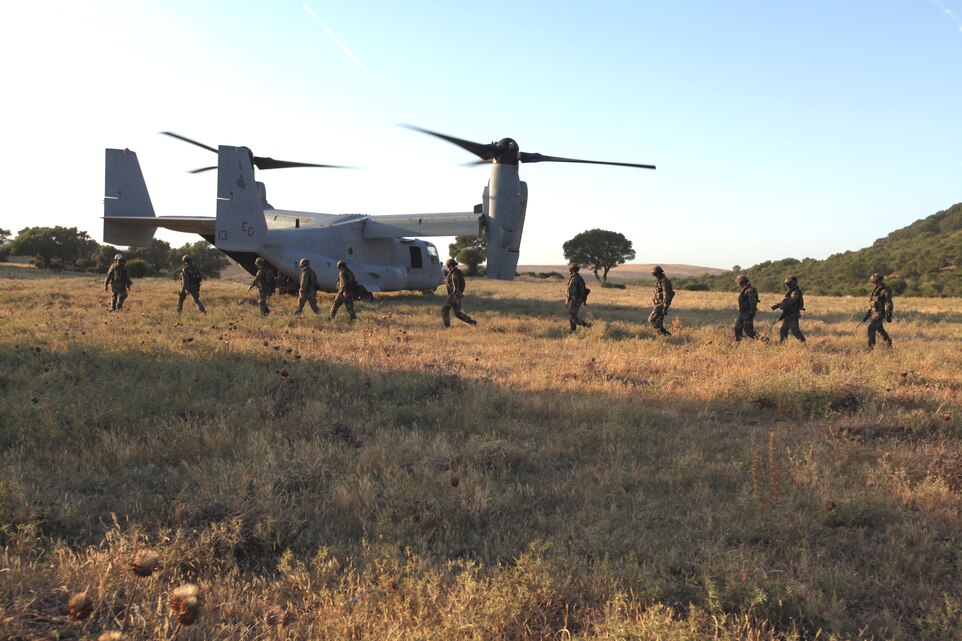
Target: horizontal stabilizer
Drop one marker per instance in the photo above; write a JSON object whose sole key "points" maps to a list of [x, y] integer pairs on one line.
{"points": [[444, 224], [202, 225]]}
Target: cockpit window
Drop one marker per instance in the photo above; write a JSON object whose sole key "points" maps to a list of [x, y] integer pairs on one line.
{"points": [[433, 253]]}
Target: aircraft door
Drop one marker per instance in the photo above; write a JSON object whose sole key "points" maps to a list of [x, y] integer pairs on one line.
{"points": [[417, 260]]}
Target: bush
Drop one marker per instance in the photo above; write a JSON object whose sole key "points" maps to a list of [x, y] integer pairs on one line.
{"points": [[609, 285], [139, 268]]}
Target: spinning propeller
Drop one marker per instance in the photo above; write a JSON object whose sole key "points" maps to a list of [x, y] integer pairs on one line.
{"points": [[506, 152], [260, 162]]}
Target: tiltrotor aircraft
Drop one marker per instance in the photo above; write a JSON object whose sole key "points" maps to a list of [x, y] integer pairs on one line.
{"points": [[379, 249]]}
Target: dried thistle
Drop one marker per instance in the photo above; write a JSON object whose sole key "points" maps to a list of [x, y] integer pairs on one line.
{"points": [[757, 477], [79, 606], [283, 618], [774, 472], [144, 563], [185, 603], [454, 481]]}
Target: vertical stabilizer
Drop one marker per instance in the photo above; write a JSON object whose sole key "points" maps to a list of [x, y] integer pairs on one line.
{"points": [[240, 213], [125, 195]]}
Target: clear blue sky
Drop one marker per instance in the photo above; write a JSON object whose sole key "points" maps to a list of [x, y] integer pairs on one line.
{"points": [[779, 128]]}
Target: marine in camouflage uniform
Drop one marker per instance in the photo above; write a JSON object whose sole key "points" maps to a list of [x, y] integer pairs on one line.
{"points": [[792, 306], [747, 306], [455, 284], [264, 282], [190, 279], [118, 279], [662, 297], [575, 296], [880, 310], [346, 286], [307, 292]]}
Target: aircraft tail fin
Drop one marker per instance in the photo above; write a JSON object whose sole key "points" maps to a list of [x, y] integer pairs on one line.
{"points": [[125, 195], [240, 212]]}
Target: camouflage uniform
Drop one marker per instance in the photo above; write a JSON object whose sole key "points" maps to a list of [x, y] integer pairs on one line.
{"points": [[662, 297], [575, 297], [264, 282], [119, 281], [792, 306], [455, 284], [747, 306], [307, 293], [346, 286], [880, 308], [190, 280]]}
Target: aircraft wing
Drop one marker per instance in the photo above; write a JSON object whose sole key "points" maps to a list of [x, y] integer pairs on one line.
{"points": [[444, 224], [203, 225]]}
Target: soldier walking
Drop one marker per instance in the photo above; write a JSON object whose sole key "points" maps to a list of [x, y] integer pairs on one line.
{"points": [[747, 306], [346, 286], [190, 279], [307, 292], [118, 278], [792, 306], [879, 310], [264, 282], [662, 301], [575, 297], [455, 284]]}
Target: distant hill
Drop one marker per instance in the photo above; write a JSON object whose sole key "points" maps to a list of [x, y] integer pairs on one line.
{"points": [[922, 259]]}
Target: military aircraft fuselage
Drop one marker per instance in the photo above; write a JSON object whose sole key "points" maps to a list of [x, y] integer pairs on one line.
{"points": [[391, 263]]}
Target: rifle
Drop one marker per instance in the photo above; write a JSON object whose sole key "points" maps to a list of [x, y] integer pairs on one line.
{"points": [[775, 322], [868, 315]]}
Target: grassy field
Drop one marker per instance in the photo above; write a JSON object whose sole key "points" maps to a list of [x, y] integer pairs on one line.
{"points": [[391, 479]]}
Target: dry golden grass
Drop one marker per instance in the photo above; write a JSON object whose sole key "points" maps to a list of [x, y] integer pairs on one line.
{"points": [[393, 479]]}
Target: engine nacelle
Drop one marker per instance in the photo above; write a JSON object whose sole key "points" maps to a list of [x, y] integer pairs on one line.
{"points": [[504, 204]]}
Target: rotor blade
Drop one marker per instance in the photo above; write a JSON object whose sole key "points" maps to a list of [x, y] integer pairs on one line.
{"points": [[201, 170], [269, 163], [531, 158], [193, 142], [482, 151]]}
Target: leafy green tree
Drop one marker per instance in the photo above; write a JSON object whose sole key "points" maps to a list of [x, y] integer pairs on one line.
{"points": [[55, 246], [4, 248], [599, 249], [103, 258], [156, 254], [207, 258], [470, 250], [472, 257], [37, 242]]}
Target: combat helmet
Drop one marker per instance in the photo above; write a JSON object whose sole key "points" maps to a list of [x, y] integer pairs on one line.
{"points": [[260, 262], [341, 264], [877, 278], [118, 257], [574, 267], [185, 259], [657, 271], [451, 263], [791, 280], [304, 262], [742, 280]]}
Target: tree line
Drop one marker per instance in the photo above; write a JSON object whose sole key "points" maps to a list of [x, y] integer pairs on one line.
{"points": [[71, 249]]}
